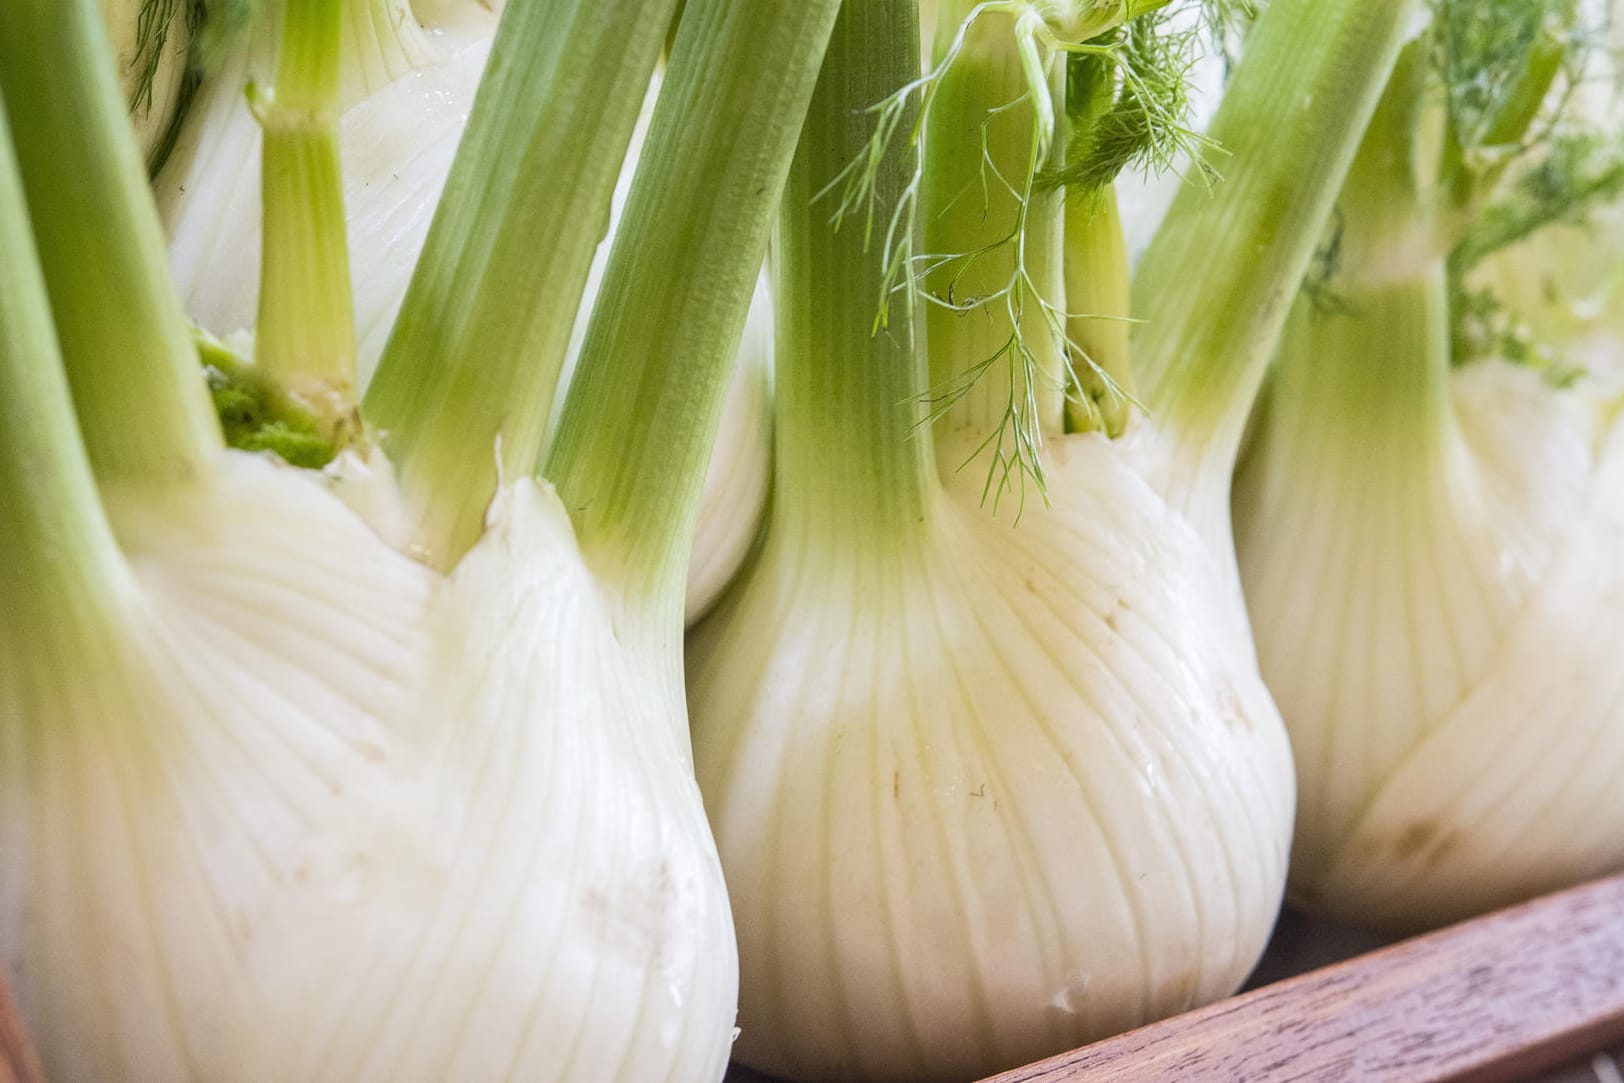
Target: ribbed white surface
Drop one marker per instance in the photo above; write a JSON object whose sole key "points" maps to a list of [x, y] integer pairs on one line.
{"points": [[991, 797], [322, 815], [1437, 617]]}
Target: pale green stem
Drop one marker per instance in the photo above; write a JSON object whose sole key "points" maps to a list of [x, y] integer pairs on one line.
{"points": [[60, 570], [1389, 222], [466, 383], [992, 241], [1214, 289], [1369, 375], [636, 432], [1364, 364], [853, 462], [142, 405], [1098, 310], [305, 331]]}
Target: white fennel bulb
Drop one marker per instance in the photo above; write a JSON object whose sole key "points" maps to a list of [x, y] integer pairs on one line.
{"points": [[986, 791], [1032, 791], [1428, 542], [355, 779], [288, 793], [1432, 582], [410, 72]]}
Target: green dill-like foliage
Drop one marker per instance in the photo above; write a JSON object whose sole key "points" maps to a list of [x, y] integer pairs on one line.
{"points": [[1514, 157], [1509, 69], [1578, 172], [153, 26], [1224, 16], [1483, 327], [1127, 103], [1497, 60], [1145, 123]]}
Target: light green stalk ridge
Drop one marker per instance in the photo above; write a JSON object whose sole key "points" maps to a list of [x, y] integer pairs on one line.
{"points": [[637, 428], [1097, 303], [1429, 172], [1387, 223], [993, 248], [1369, 371], [59, 567], [465, 386], [142, 408], [305, 330], [854, 459], [1366, 352], [1217, 282]]}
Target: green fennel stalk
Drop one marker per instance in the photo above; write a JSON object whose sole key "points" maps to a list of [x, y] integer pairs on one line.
{"points": [[143, 411], [475, 353], [305, 334]]}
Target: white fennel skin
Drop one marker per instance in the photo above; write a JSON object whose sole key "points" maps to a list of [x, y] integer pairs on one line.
{"points": [[310, 811], [989, 793]]}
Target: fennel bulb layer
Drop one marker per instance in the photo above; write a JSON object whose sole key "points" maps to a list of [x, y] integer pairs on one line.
{"points": [[983, 793], [734, 499], [311, 811], [1431, 565]]}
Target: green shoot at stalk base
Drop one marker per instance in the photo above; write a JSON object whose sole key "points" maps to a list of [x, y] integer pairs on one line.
{"points": [[254, 413]]}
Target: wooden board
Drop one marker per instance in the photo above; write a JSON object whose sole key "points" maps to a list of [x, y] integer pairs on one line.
{"points": [[18, 1064], [1503, 997]]}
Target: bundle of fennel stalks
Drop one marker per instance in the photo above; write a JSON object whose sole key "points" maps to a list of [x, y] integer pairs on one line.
{"points": [[354, 497]]}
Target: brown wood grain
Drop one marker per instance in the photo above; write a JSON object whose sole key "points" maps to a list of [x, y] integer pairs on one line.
{"points": [[1499, 998], [18, 1064]]}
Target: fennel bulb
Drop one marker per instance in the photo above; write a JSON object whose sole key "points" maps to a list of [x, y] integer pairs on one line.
{"points": [[371, 809], [1428, 541], [984, 791], [283, 797], [409, 80], [1031, 793], [1432, 599]]}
